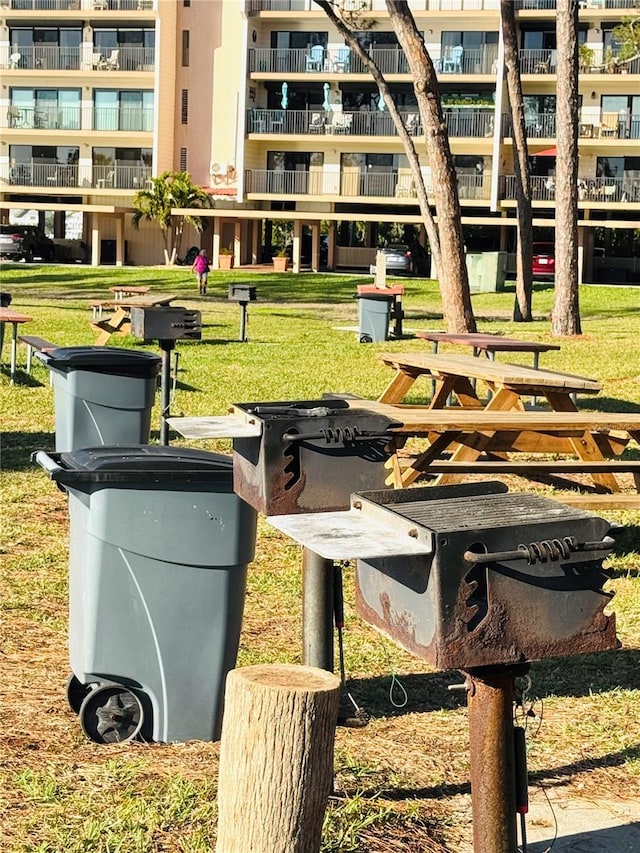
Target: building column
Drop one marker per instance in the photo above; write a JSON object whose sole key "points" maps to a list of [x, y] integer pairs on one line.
{"points": [[331, 248], [95, 240], [315, 246], [297, 244], [237, 243], [215, 247], [255, 243], [119, 240]]}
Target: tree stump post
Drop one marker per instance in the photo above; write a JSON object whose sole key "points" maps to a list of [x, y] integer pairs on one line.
{"points": [[276, 758]]}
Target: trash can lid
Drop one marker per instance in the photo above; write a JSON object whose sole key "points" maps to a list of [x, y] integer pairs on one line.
{"points": [[121, 362], [389, 297], [140, 463]]}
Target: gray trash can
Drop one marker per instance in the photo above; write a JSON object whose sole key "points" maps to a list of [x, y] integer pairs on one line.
{"points": [[374, 313], [102, 395], [159, 547]]}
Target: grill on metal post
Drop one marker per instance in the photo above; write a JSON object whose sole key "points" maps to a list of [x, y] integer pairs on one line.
{"points": [[167, 325], [243, 294]]}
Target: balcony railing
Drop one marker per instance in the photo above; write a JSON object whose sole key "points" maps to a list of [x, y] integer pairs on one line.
{"points": [[123, 118], [38, 118], [602, 190], [120, 177], [544, 62], [34, 173], [37, 174], [389, 60], [376, 5], [352, 184], [583, 4], [605, 125], [55, 58], [84, 5], [460, 122]]}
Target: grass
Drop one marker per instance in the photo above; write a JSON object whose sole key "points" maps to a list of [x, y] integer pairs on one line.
{"points": [[402, 783]]}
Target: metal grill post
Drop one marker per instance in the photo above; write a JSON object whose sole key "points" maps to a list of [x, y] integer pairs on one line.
{"points": [[317, 610], [165, 389], [493, 789]]}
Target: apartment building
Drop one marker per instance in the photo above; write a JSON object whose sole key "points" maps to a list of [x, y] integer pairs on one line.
{"points": [[268, 109]]}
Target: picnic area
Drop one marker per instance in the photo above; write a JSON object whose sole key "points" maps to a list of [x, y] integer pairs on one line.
{"points": [[566, 428]]}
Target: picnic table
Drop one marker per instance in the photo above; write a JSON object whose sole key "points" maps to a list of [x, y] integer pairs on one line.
{"points": [[502, 425], [123, 291], [15, 318], [120, 321], [488, 343]]}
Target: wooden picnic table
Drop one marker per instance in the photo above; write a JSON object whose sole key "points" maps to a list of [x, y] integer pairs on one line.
{"points": [[488, 343], [503, 425], [120, 321], [15, 318], [123, 291]]}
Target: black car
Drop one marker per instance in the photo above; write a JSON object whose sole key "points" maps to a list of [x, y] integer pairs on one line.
{"points": [[25, 242], [408, 259]]}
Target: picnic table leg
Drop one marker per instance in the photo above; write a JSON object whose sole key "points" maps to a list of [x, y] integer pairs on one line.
{"points": [[398, 387], [586, 448], [14, 351]]}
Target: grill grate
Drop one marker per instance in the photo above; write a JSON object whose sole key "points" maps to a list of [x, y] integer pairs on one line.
{"points": [[480, 512]]}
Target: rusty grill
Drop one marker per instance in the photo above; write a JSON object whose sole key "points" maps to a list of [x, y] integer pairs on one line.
{"points": [[310, 455], [511, 578]]}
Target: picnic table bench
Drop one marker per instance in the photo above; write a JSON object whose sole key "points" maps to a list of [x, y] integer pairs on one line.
{"points": [[120, 321], [503, 425], [488, 343], [15, 318]]}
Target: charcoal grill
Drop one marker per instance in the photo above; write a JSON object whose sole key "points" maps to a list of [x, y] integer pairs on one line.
{"points": [[166, 325], [305, 455], [243, 294], [476, 578]]}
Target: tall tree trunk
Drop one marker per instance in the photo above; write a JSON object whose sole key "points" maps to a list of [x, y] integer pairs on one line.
{"points": [[454, 281], [454, 286], [565, 316], [524, 254]]}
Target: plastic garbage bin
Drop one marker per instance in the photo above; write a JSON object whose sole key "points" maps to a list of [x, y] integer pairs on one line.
{"points": [[374, 312], [102, 395], [159, 547]]}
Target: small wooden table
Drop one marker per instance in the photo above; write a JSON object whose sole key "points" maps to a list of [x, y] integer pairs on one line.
{"points": [[122, 291], [509, 383], [488, 343], [120, 321], [13, 317]]}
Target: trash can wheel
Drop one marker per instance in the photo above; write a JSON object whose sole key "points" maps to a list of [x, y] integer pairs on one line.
{"points": [[111, 714], [366, 339], [76, 692]]}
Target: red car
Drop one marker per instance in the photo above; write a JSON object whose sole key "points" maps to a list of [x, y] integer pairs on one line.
{"points": [[544, 260]]}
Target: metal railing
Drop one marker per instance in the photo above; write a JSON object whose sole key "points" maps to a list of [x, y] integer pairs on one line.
{"points": [[521, 5], [460, 122], [55, 58], [544, 62], [602, 190], [375, 5], [389, 61], [604, 125], [84, 5], [123, 118], [540, 126], [37, 118], [36, 174], [120, 177], [353, 184]]}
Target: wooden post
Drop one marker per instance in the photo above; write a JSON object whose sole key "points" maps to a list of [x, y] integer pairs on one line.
{"points": [[276, 758]]}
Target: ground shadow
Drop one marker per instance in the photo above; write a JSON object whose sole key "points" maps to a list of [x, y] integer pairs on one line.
{"points": [[622, 839], [613, 404], [17, 448]]}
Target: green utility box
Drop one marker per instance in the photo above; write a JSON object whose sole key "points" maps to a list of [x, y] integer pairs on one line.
{"points": [[487, 271]]}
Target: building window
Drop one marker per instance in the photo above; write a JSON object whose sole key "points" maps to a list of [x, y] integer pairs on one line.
{"points": [[184, 108], [186, 2], [185, 48], [183, 159]]}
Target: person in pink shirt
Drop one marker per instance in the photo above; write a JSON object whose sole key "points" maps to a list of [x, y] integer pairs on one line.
{"points": [[201, 269]]}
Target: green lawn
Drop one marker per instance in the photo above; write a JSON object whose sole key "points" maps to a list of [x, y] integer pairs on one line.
{"points": [[401, 783]]}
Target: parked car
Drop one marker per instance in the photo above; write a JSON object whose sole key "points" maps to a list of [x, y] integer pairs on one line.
{"points": [[544, 260], [402, 258], [25, 242]]}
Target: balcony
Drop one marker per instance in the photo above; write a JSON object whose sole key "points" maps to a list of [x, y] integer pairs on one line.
{"points": [[353, 184], [33, 173], [123, 119], [72, 5], [255, 6], [544, 62], [605, 125], [341, 60], [540, 126], [600, 190], [544, 5], [39, 118], [460, 122], [55, 58]]}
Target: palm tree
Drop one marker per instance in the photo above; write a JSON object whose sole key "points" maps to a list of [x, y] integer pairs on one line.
{"points": [[154, 204]]}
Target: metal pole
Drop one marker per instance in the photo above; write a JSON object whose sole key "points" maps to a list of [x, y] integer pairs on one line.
{"points": [[165, 390], [243, 321], [493, 790], [317, 611]]}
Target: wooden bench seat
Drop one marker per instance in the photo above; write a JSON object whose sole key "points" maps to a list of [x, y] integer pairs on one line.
{"points": [[33, 342]]}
